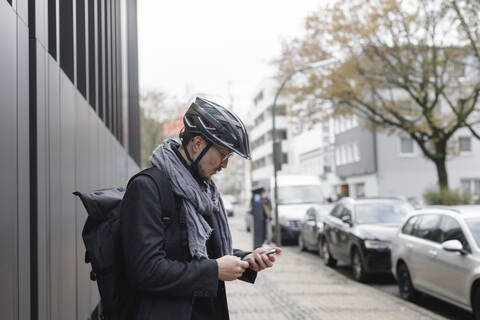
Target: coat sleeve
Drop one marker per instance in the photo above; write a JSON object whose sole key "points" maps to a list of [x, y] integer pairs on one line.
{"points": [[143, 239], [249, 275]]}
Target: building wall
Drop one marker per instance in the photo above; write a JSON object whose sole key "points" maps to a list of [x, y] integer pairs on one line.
{"points": [[366, 148], [260, 124], [68, 121], [410, 175]]}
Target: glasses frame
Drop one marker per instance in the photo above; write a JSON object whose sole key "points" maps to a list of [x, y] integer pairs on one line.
{"points": [[223, 156]]}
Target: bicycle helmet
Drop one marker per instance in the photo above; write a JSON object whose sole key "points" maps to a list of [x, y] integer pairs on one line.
{"points": [[218, 125]]}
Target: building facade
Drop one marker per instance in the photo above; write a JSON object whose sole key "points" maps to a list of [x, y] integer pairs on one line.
{"points": [[69, 120], [260, 124], [371, 163]]}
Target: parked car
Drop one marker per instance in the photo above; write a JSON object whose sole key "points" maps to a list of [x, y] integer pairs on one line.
{"points": [[437, 251], [296, 193], [358, 232], [228, 205], [230, 197], [311, 230]]}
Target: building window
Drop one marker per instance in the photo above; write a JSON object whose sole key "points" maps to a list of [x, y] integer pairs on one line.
{"points": [[359, 190], [356, 152], [259, 119], [464, 144], [472, 186], [406, 146]]}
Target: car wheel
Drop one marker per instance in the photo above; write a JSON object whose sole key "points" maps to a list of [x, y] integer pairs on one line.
{"points": [[476, 303], [405, 286], [326, 256], [301, 243], [357, 267]]}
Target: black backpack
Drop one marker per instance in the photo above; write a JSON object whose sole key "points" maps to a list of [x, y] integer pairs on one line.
{"points": [[101, 235]]}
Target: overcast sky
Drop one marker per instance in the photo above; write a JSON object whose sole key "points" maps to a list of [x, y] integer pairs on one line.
{"points": [[219, 47]]}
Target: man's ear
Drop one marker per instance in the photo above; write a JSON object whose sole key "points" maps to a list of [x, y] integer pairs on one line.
{"points": [[197, 143]]}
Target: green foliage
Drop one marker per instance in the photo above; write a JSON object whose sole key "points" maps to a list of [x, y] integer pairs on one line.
{"points": [[447, 197]]}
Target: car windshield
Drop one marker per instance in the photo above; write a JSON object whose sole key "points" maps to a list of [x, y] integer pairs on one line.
{"points": [[474, 226], [299, 194], [379, 213]]}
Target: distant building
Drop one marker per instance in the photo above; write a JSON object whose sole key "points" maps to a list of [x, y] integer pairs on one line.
{"points": [[374, 163], [260, 124], [315, 154]]}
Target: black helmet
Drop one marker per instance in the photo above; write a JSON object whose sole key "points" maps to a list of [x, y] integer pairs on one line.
{"points": [[218, 125]]}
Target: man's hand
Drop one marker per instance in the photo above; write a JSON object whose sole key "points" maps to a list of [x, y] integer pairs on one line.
{"points": [[259, 260], [230, 268]]}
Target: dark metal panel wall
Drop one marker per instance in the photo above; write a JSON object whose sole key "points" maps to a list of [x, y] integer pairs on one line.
{"points": [[67, 245], [23, 169], [8, 163]]}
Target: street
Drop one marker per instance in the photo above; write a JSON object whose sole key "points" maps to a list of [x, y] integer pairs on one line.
{"points": [[299, 286]]}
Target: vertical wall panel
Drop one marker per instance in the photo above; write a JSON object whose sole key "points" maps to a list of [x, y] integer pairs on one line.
{"points": [[82, 174], [81, 47], [53, 217], [22, 10], [100, 58], [23, 170], [8, 163], [67, 245], [91, 55], [52, 27], [67, 39], [41, 22], [42, 184]]}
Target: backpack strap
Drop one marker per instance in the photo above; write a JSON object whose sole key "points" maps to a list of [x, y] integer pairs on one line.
{"points": [[167, 198]]}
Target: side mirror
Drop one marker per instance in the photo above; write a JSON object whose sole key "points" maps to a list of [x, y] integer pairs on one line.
{"points": [[453, 246], [347, 219]]}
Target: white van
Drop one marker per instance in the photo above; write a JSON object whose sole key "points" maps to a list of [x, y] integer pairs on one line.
{"points": [[296, 193]]}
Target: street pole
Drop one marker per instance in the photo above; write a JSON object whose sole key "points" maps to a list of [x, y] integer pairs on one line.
{"points": [[278, 236]]}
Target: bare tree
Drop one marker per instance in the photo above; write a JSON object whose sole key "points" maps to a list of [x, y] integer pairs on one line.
{"points": [[407, 66]]}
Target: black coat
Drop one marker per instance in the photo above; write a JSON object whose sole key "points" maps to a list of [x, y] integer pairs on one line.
{"points": [[166, 283]]}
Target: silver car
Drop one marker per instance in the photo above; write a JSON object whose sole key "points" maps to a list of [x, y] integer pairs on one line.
{"points": [[437, 251]]}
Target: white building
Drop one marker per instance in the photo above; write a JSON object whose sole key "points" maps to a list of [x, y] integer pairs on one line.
{"points": [[378, 164], [260, 133]]}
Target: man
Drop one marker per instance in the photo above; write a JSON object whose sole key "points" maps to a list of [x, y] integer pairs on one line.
{"points": [[177, 269], [258, 215]]}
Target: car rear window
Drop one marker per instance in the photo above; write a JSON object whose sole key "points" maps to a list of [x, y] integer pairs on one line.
{"points": [[377, 213], [474, 226]]}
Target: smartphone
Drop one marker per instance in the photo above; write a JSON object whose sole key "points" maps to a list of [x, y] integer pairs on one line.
{"points": [[269, 252]]}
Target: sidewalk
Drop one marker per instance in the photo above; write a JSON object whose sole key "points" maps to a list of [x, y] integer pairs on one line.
{"points": [[301, 287]]}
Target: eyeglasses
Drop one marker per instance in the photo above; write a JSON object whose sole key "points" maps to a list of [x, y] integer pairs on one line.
{"points": [[223, 155]]}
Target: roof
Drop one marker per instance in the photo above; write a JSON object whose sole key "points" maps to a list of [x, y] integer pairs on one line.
{"points": [[465, 210]]}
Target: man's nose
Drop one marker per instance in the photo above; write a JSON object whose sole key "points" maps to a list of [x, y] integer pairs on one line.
{"points": [[224, 163]]}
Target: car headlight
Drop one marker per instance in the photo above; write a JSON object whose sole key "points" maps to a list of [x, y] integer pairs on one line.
{"points": [[377, 244]]}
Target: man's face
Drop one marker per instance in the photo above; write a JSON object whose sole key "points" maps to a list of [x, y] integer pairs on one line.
{"points": [[213, 161]]}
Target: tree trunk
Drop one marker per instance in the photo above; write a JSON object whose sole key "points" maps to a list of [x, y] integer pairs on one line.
{"points": [[440, 164]]}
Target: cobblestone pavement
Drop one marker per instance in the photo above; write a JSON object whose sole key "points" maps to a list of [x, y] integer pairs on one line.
{"points": [[301, 287]]}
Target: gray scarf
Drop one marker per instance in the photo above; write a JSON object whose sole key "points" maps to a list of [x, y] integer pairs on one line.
{"points": [[197, 201]]}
